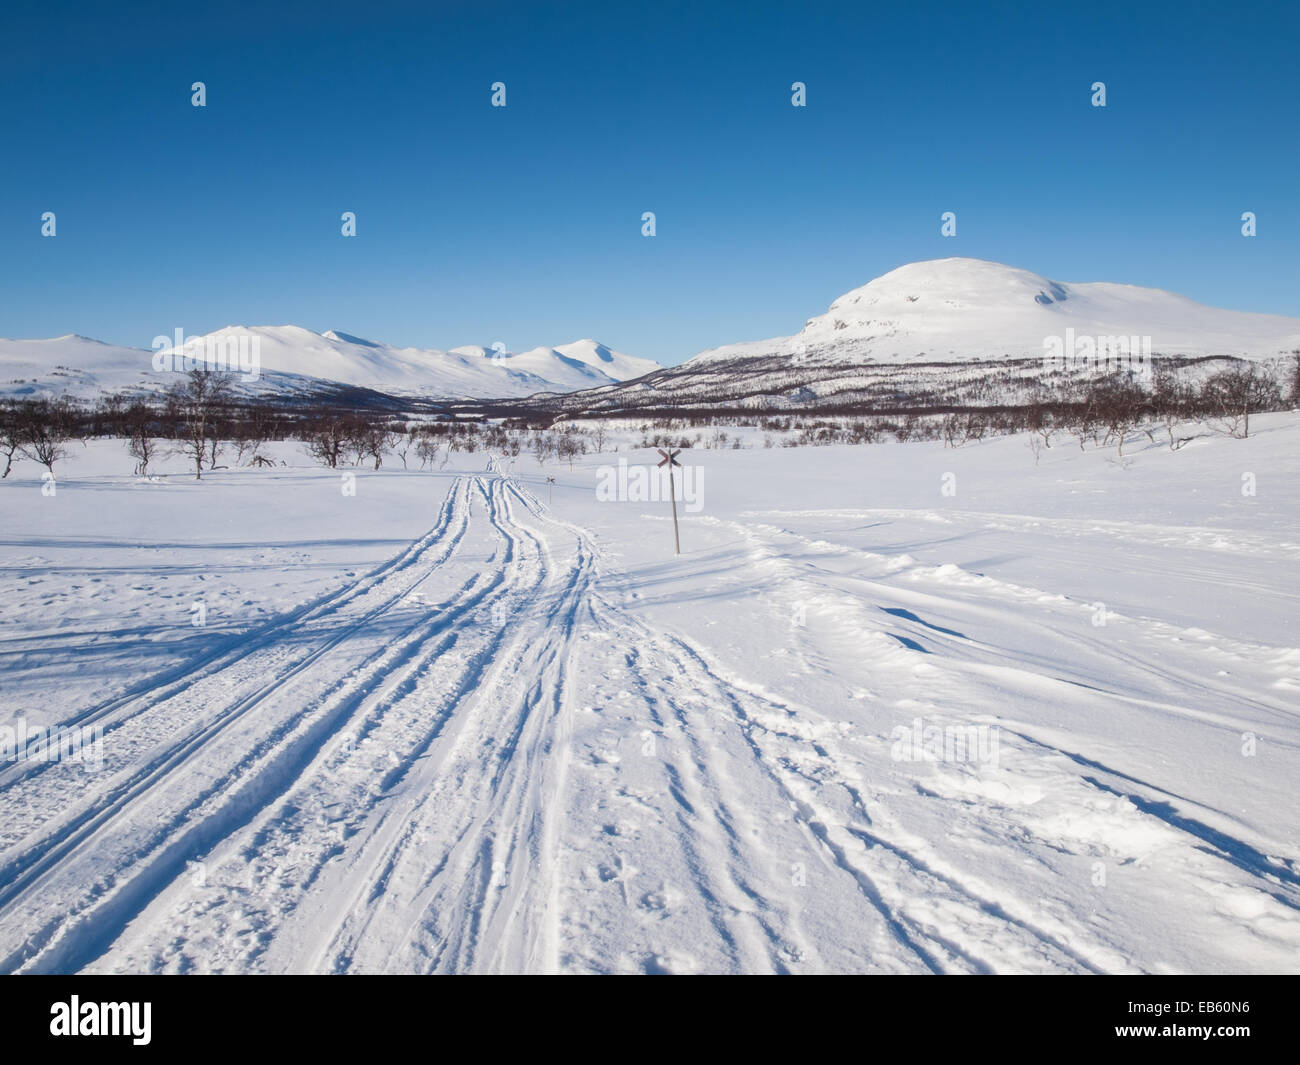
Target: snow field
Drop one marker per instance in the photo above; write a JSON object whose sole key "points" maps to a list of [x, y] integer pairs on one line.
{"points": [[443, 727]]}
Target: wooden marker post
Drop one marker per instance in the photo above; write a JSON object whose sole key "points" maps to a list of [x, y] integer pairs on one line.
{"points": [[549, 481], [670, 459]]}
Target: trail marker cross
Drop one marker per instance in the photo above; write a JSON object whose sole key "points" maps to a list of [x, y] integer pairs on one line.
{"points": [[670, 460], [549, 481]]}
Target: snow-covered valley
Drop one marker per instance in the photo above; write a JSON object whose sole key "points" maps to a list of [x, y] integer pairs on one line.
{"points": [[895, 708]]}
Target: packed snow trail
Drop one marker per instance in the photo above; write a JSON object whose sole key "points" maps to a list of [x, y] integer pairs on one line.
{"points": [[195, 755], [475, 759]]}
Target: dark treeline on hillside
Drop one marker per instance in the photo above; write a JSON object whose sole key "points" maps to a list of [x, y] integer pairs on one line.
{"points": [[204, 420], [772, 383], [1101, 409]]}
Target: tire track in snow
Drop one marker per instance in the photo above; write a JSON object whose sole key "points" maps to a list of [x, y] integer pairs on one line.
{"points": [[934, 951], [26, 792], [751, 909], [447, 838], [1065, 939], [235, 647], [327, 894], [487, 804], [104, 837], [1012, 935], [739, 883], [392, 868]]}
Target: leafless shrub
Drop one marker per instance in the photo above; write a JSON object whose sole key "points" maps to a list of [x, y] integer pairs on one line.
{"points": [[45, 428], [326, 437], [139, 423], [1231, 396], [197, 402]]}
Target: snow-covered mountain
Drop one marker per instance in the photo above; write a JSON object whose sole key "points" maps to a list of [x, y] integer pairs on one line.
{"points": [[299, 361], [946, 310], [947, 331], [71, 364], [939, 332], [569, 366]]}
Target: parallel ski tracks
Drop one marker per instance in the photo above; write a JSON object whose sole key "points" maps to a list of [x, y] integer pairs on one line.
{"points": [[375, 783]]}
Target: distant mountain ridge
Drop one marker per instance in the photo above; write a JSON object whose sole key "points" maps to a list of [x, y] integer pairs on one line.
{"points": [[944, 331], [297, 360], [970, 309]]}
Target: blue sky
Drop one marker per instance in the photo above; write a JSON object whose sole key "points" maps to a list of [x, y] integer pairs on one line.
{"points": [[523, 225]]}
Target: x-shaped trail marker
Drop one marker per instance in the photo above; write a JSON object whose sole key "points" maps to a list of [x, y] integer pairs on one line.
{"points": [[670, 460]]}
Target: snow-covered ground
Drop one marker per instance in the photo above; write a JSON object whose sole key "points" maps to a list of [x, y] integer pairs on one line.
{"points": [[441, 725]]}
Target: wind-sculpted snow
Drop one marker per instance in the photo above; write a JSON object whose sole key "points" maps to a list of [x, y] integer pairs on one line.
{"points": [[872, 731]]}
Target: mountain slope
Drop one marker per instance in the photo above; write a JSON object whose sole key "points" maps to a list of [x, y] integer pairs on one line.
{"points": [[942, 331], [297, 361], [71, 364], [968, 309]]}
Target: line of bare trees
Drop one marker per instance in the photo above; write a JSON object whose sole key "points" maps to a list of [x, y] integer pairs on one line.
{"points": [[197, 418], [202, 421], [39, 430], [1111, 409]]}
